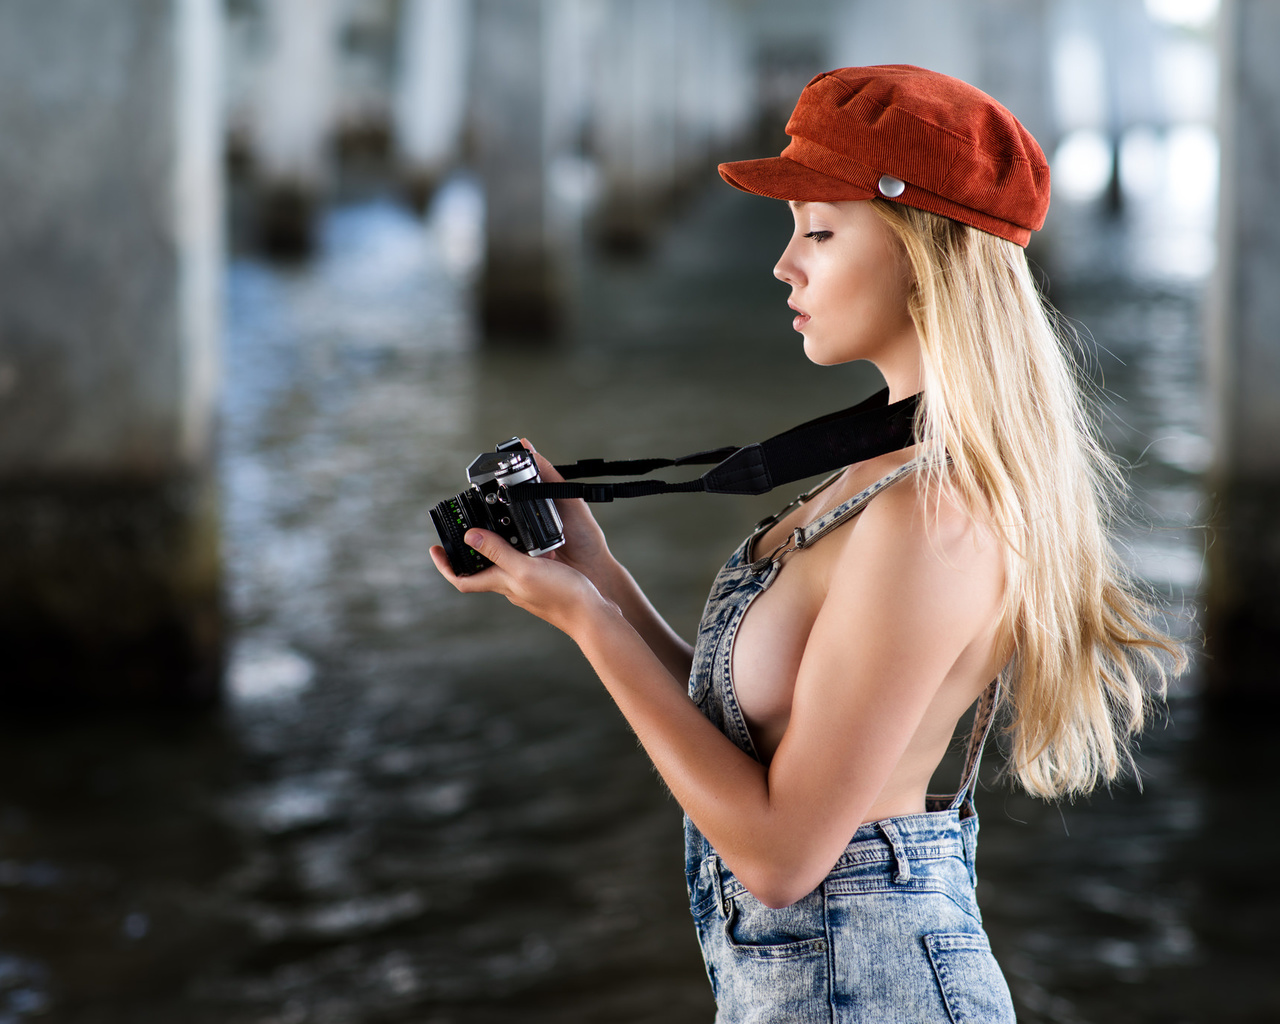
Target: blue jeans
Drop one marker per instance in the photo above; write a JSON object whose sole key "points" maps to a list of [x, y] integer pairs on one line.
{"points": [[893, 934]]}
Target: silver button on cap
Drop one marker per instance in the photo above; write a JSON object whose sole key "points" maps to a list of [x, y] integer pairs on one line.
{"points": [[891, 186]]}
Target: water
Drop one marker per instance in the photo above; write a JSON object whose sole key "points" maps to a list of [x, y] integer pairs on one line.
{"points": [[417, 807]]}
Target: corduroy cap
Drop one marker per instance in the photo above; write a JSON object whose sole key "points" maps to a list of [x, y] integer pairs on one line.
{"points": [[910, 136]]}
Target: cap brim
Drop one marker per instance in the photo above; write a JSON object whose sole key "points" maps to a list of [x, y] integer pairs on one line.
{"points": [[780, 178]]}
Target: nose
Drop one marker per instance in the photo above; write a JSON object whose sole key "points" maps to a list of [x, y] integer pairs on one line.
{"points": [[786, 269]]}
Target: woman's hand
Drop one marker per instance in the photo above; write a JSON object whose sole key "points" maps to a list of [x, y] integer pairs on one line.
{"points": [[585, 547], [544, 586]]}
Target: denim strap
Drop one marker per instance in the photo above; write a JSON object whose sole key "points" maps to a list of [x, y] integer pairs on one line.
{"points": [[901, 865], [983, 717], [804, 536], [824, 524], [711, 865]]}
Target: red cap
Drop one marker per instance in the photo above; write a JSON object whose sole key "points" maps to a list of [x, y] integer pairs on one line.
{"points": [[910, 136]]}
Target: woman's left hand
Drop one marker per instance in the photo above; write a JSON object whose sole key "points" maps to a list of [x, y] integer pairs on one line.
{"points": [[543, 586]]}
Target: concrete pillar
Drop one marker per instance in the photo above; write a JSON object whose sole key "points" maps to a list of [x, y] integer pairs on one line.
{"points": [[1127, 38], [1243, 614], [713, 94], [691, 85], [572, 34], [294, 120], [636, 118], [521, 284], [110, 256], [730, 99], [429, 105]]}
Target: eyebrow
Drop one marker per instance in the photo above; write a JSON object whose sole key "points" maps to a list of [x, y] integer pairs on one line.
{"points": [[795, 204]]}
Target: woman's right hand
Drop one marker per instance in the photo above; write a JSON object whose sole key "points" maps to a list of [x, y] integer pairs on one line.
{"points": [[585, 547]]}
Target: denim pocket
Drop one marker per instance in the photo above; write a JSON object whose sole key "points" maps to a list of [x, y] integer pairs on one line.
{"points": [[973, 988], [765, 965], [753, 930]]}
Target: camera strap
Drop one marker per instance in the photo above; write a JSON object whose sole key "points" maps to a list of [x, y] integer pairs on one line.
{"points": [[870, 428]]}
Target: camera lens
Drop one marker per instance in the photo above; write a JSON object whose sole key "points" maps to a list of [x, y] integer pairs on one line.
{"points": [[453, 517]]}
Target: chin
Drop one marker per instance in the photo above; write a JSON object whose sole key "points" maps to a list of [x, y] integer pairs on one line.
{"points": [[816, 355]]}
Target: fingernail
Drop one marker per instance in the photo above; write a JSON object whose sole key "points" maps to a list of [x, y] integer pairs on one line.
{"points": [[474, 538]]}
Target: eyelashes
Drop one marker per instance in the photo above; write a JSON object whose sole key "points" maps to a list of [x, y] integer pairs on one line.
{"points": [[818, 236]]}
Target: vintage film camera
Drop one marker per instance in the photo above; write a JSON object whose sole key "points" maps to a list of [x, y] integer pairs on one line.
{"points": [[531, 526]]}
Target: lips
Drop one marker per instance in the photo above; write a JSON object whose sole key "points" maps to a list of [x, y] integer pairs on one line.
{"points": [[802, 319]]}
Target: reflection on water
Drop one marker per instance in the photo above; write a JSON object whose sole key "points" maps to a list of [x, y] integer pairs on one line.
{"points": [[421, 808]]}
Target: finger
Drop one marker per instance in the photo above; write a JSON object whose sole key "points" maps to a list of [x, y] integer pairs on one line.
{"points": [[480, 582], [578, 519], [493, 547], [547, 471], [441, 560]]}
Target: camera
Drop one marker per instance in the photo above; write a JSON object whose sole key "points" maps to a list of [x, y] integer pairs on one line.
{"points": [[531, 526]]}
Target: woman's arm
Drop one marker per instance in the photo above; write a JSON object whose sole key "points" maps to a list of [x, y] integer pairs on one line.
{"points": [[900, 610], [672, 650]]}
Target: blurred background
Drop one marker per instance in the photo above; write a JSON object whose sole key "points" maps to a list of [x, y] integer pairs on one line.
{"points": [[272, 272]]}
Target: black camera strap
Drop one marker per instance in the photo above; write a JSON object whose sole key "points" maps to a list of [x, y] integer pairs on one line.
{"points": [[870, 428]]}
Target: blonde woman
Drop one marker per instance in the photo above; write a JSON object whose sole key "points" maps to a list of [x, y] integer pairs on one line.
{"points": [[846, 637]]}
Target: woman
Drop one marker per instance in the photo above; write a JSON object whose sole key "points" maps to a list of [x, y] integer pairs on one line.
{"points": [[847, 636]]}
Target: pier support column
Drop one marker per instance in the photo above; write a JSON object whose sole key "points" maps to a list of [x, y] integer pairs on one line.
{"points": [[713, 96], [430, 102], [521, 286], [729, 101], [294, 120], [110, 257], [636, 122], [1243, 620]]}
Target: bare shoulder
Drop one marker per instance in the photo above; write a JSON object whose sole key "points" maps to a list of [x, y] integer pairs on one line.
{"points": [[927, 549], [906, 511]]}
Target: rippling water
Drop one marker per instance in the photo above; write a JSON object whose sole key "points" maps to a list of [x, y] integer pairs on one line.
{"points": [[416, 807]]}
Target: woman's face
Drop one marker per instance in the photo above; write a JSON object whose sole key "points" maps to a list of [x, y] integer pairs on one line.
{"points": [[849, 282]]}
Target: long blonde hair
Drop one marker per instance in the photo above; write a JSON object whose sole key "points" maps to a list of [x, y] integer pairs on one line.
{"points": [[1003, 399]]}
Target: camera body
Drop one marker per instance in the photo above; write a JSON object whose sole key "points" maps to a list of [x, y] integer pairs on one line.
{"points": [[530, 526]]}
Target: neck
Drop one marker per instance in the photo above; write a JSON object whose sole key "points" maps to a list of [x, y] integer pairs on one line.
{"points": [[902, 385], [901, 365]]}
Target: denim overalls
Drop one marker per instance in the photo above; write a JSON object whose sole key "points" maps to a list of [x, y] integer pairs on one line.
{"points": [[893, 933]]}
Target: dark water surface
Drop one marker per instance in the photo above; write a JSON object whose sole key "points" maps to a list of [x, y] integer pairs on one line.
{"points": [[418, 807]]}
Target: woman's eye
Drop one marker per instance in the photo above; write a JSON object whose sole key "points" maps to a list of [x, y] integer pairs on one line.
{"points": [[818, 236]]}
